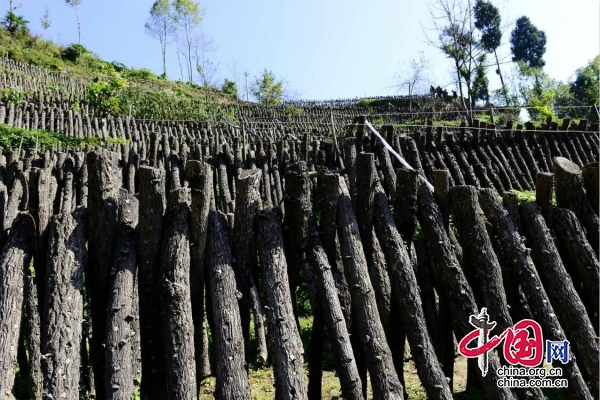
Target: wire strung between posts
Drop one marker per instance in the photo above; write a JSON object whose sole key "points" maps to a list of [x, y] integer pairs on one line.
{"points": [[391, 150]]}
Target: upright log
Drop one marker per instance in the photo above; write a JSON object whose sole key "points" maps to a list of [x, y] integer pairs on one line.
{"points": [[101, 226], [199, 176], [232, 378], [178, 327], [287, 358], [453, 284], [121, 308], [410, 306], [150, 228], [557, 282], [521, 265], [14, 259], [33, 335], [384, 378]]}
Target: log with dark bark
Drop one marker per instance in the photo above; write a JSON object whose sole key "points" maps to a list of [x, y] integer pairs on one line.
{"points": [[350, 163], [63, 317], [151, 210], [101, 226], [285, 338], [14, 260], [591, 181], [120, 334], [389, 175], [178, 327], [521, 265], [405, 204], [410, 306], [199, 176], [451, 281], [334, 318], [232, 378], [579, 253], [384, 378], [32, 333], [544, 186], [570, 194], [559, 286]]}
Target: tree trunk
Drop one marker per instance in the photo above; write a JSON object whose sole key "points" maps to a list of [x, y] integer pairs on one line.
{"points": [[32, 328], [521, 265], [178, 327], [119, 324], [287, 357], [14, 259], [101, 228], [232, 378], [384, 378], [558, 284], [453, 284], [199, 176], [410, 306], [150, 228], [591, 181]]}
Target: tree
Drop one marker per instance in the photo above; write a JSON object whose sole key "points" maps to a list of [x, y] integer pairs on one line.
{"points": [[75, 4], [206, 68], [161, 26], [579, 99], [528, 43], [453, 22], [414, 77], [267, 89], [538, 91], [13, 22], [487, 20], [46, 19], [187, 17], [229, 87]]}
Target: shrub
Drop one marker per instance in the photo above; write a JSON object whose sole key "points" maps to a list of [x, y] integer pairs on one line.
{"points": [[73, 52]]}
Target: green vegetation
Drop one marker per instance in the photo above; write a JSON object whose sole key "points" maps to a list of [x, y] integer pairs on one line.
{"points": [[267, 89], [11, 137]]}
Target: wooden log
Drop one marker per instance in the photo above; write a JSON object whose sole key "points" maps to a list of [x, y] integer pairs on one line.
{"points": [[570, 194], [287, 357], [569, 308], [62, 328], [521, 265], [32, 327], [178, 327], [544, 186], [150, 227], [101, 225], [120, 334], [405, 204], [334, 318], [410, 306], [580, 254], [232, 378], [199, 176], [451, 281], [14, 259], [591, 181], [384, 378]]}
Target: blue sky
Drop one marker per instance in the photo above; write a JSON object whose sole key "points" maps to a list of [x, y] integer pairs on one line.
{"points": [[324, 49]]}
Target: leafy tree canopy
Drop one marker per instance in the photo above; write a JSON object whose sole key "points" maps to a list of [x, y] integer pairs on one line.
{"points": [[528, 43], [13, 22], [585, 88], [267, 89], [487, 20], [229, 87]]}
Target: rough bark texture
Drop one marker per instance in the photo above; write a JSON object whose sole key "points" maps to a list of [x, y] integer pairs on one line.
{"points": [[580, 254], [199, 176], [334, 318], [120, 334], [570, 194], [521, 265], [150, 227], [178, 327], [14, 259], [287, 358], [377, 352], [101, 226], [405, 204], [64, 305], [232, 378], [452, 282], [558, 284], [410, 306], [591, 181], [32, 330]]}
